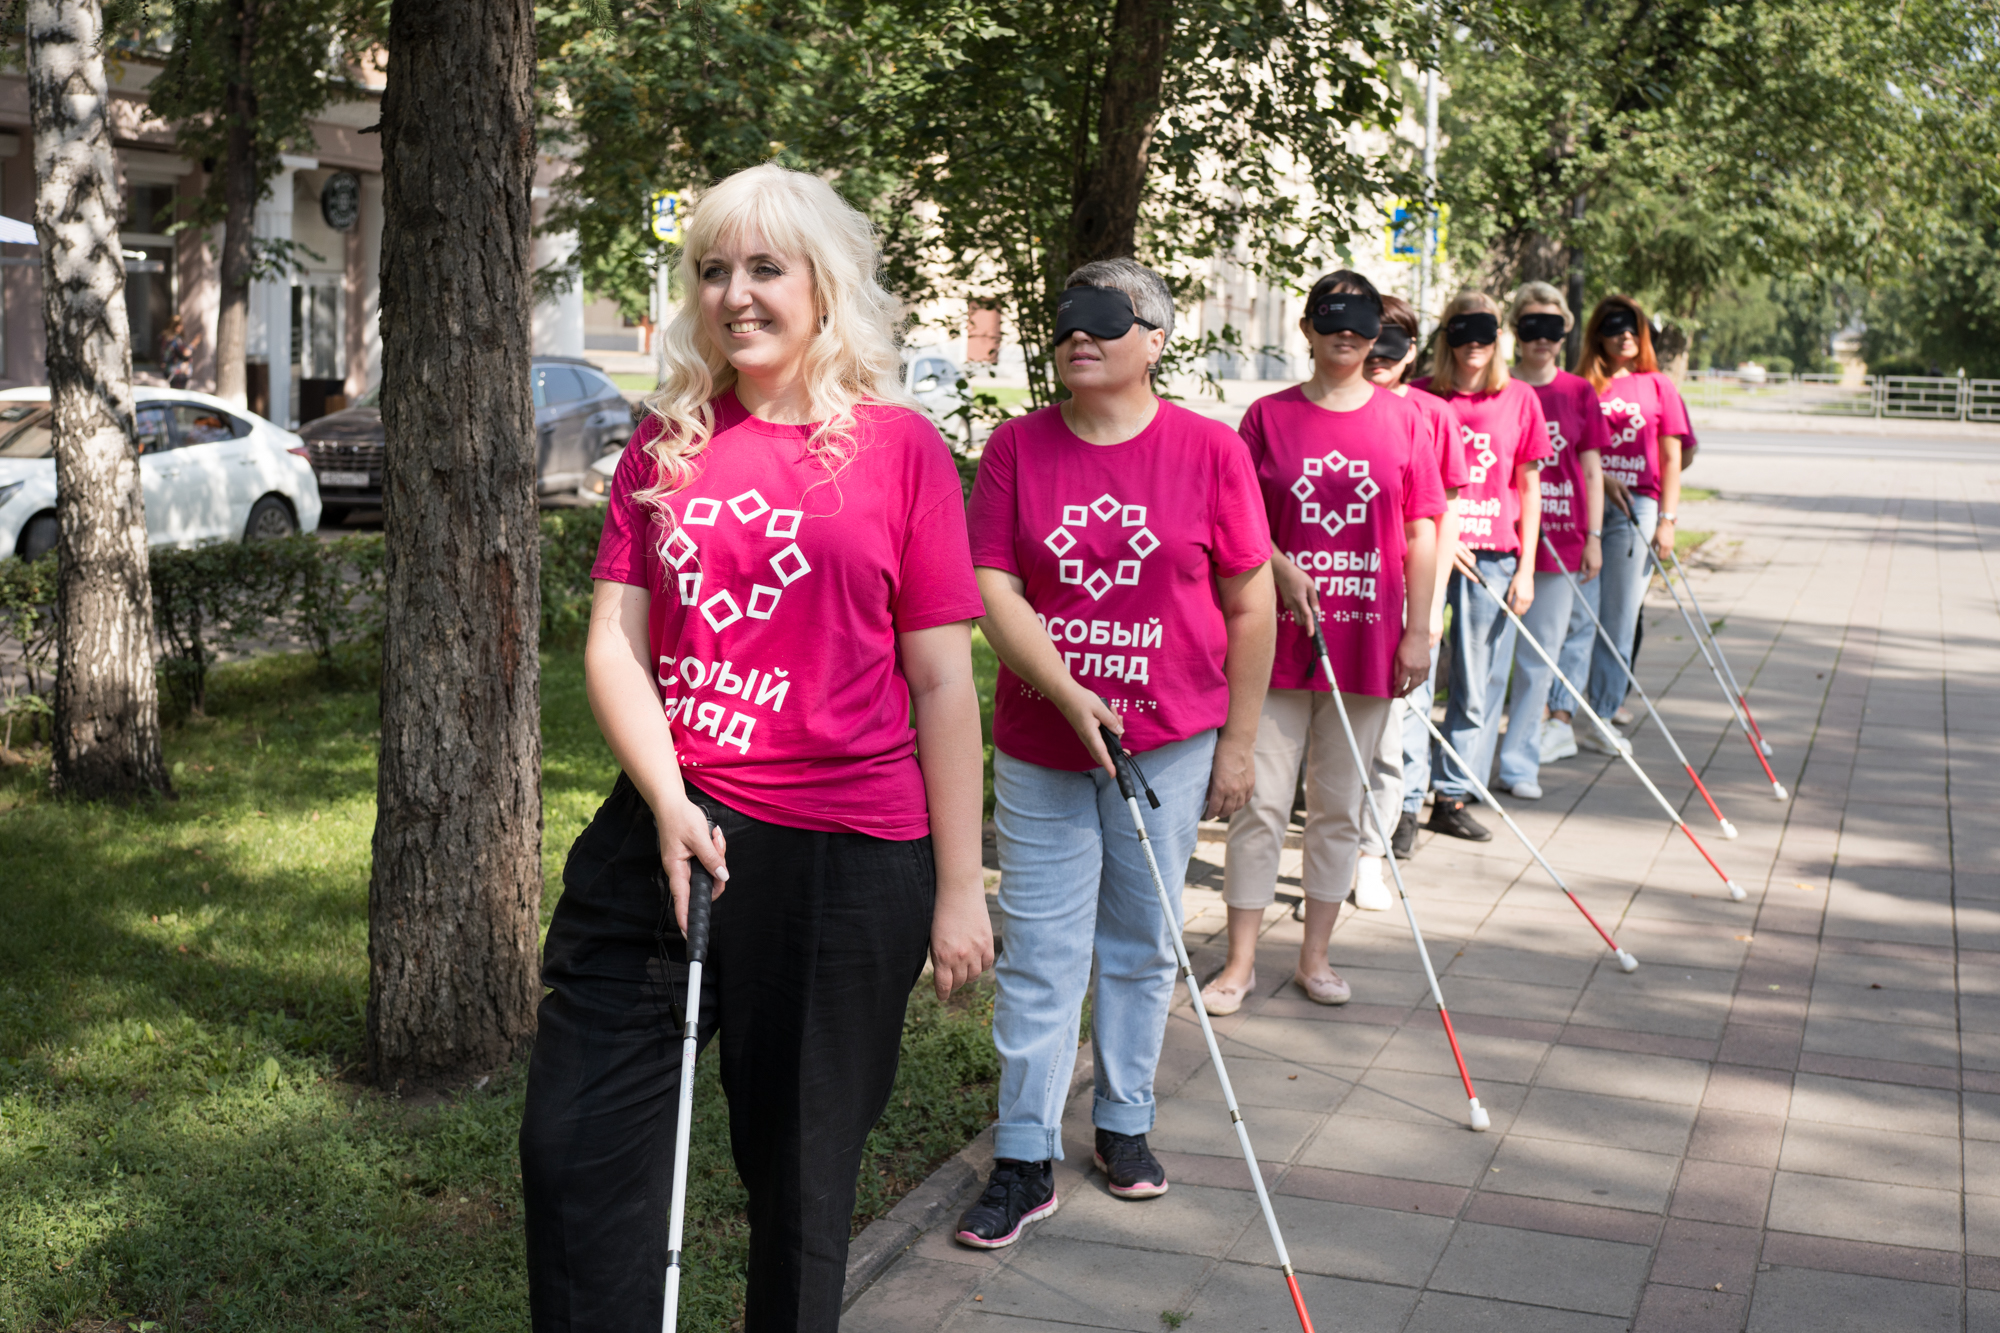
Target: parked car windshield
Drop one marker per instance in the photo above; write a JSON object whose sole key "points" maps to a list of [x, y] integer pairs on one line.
{"points": [[24, 431]]}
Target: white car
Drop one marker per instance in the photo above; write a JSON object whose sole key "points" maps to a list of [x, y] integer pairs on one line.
{"points": [[211, 472]]}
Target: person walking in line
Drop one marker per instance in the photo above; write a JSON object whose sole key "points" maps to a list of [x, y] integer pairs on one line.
{"points": [[1572, 516], [1125, 564], [1499, 515], [1400, 770], [1649, 427], [176, 354], [1350, 483], [784, 585]]}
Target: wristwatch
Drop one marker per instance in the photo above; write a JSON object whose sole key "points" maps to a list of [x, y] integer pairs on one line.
{"points": [[1597, 532], [1671, 518]]}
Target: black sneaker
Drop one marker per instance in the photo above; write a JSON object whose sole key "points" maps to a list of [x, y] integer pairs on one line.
{"points": [[1450, 818], [1129, 1165], [1016, 1194], [1403, 842]]}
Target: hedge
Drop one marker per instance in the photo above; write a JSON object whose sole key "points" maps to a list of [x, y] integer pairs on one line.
{"points": [[232, 597]]}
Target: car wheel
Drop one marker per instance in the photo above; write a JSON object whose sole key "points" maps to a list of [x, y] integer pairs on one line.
{"points": [[38, 537], [270, 519]]}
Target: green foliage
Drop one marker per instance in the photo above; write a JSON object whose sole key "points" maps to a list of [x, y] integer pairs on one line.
{"points": [[27, 620], [182, 993], [1784, 324], [296, 65], [569, 548]]}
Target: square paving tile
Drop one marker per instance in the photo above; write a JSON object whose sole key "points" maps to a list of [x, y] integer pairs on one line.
{"points": [[1657, 1078], [1343, 1240], [1441, 1312], [1404, 1151], [1867, 1105], [1273, 1083], [1676, 1001], [1509, 999], [1419, 1046], [1245, 1298], [1582, 1173], [1865, 1210], [1497, 962], [1613, 1122], [1928, 1160], [1432, 1099], [1794, 1300], [1204, 1127], [1187, 1219], [1306, 1041], [1098, 1286], [1906, 1043], [1537, 1268]]}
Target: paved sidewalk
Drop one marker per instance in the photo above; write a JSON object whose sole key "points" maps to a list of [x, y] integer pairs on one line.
{"points": [[1787, 1119]]}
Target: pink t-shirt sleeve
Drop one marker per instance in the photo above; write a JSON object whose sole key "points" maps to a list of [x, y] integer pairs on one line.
{"points": [[992, 510], [1446, 448], [1673, 412], [621, 551], [935, 584], [1241, 539], [1596, 426], [1423, 487], [1534, 446]]}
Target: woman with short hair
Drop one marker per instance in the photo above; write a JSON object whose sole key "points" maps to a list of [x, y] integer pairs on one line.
{"points": [[1499, 516], [1350, 483], [1125, 564], [783, 584], [1572, 517], [1642, 481]]}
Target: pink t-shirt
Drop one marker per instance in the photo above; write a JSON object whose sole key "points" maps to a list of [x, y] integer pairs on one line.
{"points": [[777, 596], [1640, 408], [1569, 405], [1338, 488], [1119, 547], [1500, 431], [1449, 448]]}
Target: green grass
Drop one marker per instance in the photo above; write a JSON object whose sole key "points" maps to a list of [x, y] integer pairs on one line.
{"points": [[1695, 494], [1686, 539], [631, 382], [183, 1141]]}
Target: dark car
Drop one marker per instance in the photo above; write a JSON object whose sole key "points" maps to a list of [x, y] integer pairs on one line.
{"points": [[579, 414]]}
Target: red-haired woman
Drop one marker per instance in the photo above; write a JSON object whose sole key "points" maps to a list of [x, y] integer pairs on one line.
{"points": [[1642, 481]]}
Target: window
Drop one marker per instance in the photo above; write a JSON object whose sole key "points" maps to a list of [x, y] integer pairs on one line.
{"points": [[596, 386], [24, 432], [558, 384], [149, 268], [207, 425], [156, 431]]}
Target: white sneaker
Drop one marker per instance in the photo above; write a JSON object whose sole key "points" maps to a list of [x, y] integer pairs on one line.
{"points": [[1590, 738], [1623, 717], [1371, 893], [1525, 791], [1558, 740]]}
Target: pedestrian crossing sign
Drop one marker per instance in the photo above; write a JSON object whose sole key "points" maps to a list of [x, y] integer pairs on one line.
{"points": [[1403, 238]]}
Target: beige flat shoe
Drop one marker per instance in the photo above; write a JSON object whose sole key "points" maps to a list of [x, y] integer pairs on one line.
{"points": [[1329, 989], [1221, 1001]]}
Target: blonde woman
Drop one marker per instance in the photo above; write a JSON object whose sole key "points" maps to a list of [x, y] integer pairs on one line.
{"points": [[1505, 436], [784, 583]]}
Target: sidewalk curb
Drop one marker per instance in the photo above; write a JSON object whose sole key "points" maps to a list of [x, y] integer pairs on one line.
{"points": [[936, 1201]]}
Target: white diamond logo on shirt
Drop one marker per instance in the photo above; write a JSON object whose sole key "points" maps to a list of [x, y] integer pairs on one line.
{"points": [[1333, 518], [1104, 509], [1480, 445], [1556, 440], [1635, 419], [721, 609]]}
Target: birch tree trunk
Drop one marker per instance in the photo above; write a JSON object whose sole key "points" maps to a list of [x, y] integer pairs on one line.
{"points": [[107, 717], [454, 905]]}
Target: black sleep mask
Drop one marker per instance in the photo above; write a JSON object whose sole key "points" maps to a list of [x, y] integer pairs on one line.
{"points": [[1618, 319], [1476, 327], [1540, 328], [1391, 344], [1101, 312], [1346, 312]]}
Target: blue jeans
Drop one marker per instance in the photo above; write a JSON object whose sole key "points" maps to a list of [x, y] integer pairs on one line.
{"points": [[1416, 706], [1074, 889], [1619, 600], [1574, 659], [1548, 619], [1482, 649]]}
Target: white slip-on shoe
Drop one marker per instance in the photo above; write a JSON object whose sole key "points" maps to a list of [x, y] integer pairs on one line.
{"points": [[1371, 893], [1558, 740], [1221, 1001], [1329, 989]]}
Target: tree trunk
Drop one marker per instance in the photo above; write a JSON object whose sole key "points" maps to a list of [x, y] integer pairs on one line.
{"points": [[240, 188], [107, 716], [1574, 343], [454, 906], [1105, 217]]}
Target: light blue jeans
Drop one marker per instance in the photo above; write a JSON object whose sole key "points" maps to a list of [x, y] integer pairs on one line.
{"points": [[1416, 749], [1574, 659], [1626, 574], [1075, 891], [1548, 619], [1482, 650]]}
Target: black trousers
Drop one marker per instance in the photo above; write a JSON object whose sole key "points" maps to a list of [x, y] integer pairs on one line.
{"points": [[813, 952]]}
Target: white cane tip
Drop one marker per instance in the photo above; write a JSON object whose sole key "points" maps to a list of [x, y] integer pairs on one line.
{"points": [[1480, 1120], [1627, 961], [1778, 792], [1728, 829], [1736, 893], [1765, 746]]}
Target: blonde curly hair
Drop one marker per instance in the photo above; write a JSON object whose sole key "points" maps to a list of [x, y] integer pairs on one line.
{"points": [[853, 359]]}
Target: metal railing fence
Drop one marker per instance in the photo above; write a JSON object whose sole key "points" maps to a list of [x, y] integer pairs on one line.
{"points": [[1913, 397]]}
